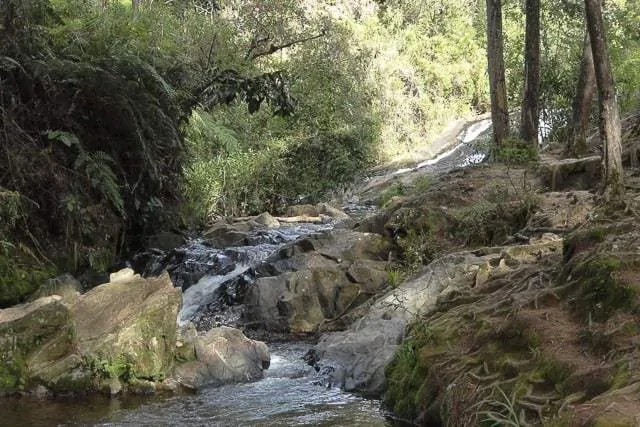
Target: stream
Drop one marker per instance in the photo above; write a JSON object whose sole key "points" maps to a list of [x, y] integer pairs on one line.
{"points": [[291, 392]]}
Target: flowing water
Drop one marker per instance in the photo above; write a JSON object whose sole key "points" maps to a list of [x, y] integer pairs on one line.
{"points": [[291, 393]]}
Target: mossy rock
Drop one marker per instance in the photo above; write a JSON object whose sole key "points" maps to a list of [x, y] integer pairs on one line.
{"points": [[32, 335]]}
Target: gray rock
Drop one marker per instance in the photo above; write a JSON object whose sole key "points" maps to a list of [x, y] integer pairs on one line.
{"points": [[224, 355], [320, 279], [132, 319], [333, 212], [166, 241], [224, 235], [266, 220]]}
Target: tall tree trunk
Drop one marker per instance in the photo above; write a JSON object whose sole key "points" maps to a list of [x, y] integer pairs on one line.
{"points": [[497, 84], [577, 143], [610, 132], [529, 118]]}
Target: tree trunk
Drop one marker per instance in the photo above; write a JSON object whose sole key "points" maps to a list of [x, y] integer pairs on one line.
{"points": [[610, 132], [497, 84], [529, 117], [577, 143]]}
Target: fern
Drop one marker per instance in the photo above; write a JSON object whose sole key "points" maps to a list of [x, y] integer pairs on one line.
{"points": [[96, 167]]}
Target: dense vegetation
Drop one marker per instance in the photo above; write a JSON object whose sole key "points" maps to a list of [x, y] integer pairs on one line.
{"points": [[119, 121]]}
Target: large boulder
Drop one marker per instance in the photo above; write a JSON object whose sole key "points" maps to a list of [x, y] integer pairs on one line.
{"points": [[315, 282], [224, 355], [130, 321]]}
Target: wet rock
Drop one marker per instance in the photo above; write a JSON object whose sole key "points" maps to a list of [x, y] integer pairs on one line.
{"points": [[224, 355]]}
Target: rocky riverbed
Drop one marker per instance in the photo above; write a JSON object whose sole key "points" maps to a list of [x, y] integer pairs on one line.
{"points": [[450, 292]]}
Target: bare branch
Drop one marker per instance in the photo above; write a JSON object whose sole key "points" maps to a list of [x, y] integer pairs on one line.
{"points": [[253, 54]]}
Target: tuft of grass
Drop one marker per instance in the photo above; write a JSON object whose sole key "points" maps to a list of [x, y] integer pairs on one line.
{"points": [[397, 189], [503, 410], [600, 294], [515, 151], [395, 277]]}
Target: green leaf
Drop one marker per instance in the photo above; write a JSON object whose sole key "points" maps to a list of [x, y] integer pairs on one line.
{"points": [[66, 138]]}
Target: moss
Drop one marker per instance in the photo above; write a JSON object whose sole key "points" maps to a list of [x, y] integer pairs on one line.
{"points": [[12, 373], [600, 294], [19, 279], [403, 381]]}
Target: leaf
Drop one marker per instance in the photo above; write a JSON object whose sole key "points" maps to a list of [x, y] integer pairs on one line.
{"points": [[66, 138]]}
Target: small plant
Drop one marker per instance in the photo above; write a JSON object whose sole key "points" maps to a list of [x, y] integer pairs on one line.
{"points": [[516, 152], [395, 277], [422, 183], [601, 294], [503, 410], [418, 248], [119, 367], [396, 189]]}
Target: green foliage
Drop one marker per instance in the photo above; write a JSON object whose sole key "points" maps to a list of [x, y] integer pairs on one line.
{"points": [[490, 222], [11, 210], [395, 277], [502, 410], [404, 373], [418, 248], [421, 184], [514, 151], [118, 367], [394, 190], [20, 275]]}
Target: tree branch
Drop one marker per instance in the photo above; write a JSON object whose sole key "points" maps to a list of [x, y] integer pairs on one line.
{"points": [[252, 54]]}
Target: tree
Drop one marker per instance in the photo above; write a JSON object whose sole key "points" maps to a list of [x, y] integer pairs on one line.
{"points": [[529, 116], [497, 83], [577, 142], [610, 132]]}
